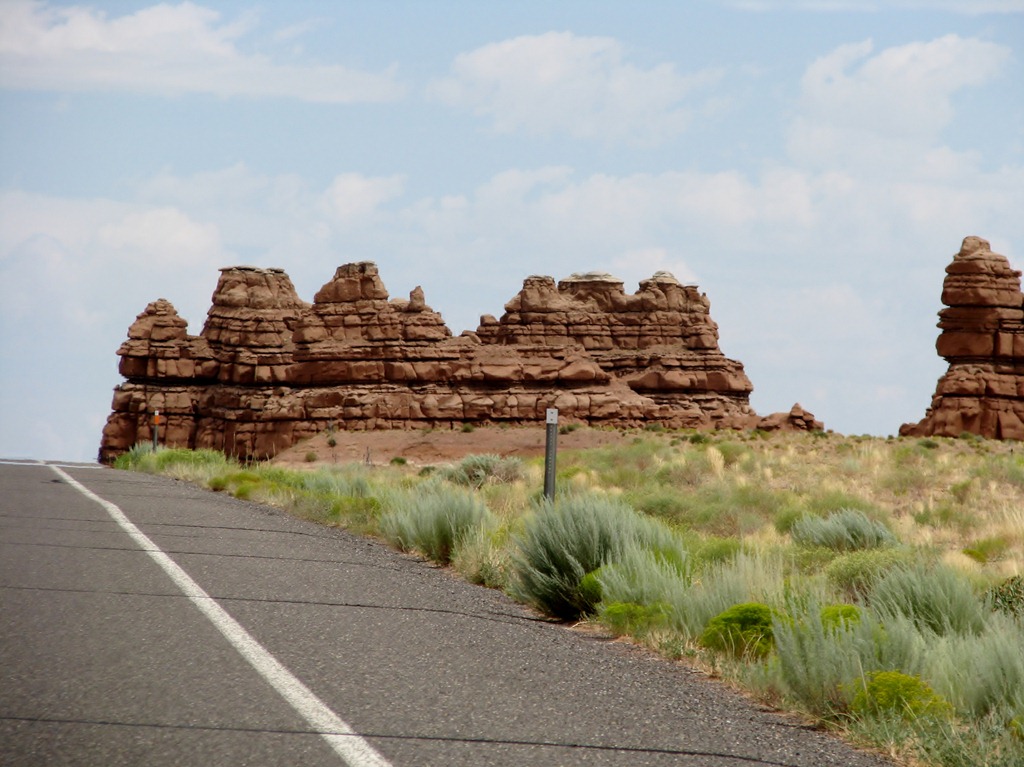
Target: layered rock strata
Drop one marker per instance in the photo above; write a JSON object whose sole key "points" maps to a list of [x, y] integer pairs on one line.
{"points": [[982, 338], [268, 370]]}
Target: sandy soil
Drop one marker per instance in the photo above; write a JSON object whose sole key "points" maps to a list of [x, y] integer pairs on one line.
{"points": [[431, 447]]}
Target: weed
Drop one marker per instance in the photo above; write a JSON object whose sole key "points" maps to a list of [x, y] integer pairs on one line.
{"points": [[398, 461], [1008, 596], [482, 556], [310, 457]]}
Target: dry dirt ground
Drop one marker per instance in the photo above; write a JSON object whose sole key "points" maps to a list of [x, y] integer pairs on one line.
{"points": [[425, 447]]}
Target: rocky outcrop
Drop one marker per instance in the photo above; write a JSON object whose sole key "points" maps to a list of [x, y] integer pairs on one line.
{"points": [[982, 338], [269, 370]]}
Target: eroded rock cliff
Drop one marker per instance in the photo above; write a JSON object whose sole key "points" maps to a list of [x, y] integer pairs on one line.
{"points": [[982, 338], [268, 369]]}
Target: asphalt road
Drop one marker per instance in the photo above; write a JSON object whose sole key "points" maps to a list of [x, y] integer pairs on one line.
{"points": [[243, 636]]}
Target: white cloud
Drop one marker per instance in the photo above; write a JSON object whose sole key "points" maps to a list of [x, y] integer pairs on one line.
{"points": [[163, 234], [90, 260], [636, 265], [903, 91], [353, 198], [968, 7], [561, 83], [886, 113], [164, 49]]}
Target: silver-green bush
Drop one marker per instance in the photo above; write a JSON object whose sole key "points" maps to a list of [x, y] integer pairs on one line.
{"points": [[843, 530], [434, 521], [936, 599], [561, 543]]}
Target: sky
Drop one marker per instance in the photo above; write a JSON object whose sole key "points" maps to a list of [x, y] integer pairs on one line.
{"points": [[812, 165]]}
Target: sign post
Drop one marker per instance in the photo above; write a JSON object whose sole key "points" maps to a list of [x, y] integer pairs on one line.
{"points": [[156, 429], [550, 449]]}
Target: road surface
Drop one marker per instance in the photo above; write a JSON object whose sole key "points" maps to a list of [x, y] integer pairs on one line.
{"points": [[144, 621]]}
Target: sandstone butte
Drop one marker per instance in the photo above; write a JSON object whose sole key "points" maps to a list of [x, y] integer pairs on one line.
{"points": [[982, 339], [269, 370]]}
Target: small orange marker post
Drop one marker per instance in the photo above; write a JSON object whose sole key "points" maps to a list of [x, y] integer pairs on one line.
{"points": [[156, 428]]}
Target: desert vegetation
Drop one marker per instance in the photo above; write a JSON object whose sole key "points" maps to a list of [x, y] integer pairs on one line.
{"points": [[873, 585]]}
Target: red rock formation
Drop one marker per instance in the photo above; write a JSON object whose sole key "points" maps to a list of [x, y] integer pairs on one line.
{"points": [[982, 338], [268, 370]]}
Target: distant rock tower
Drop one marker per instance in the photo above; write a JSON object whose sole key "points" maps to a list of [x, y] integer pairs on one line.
{"points": [[983, 340]]}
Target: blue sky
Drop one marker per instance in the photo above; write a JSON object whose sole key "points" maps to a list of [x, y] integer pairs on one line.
{"points": [[813, 166]]}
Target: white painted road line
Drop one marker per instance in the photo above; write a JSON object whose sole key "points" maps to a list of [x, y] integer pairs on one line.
{"points": [[355, 751]]}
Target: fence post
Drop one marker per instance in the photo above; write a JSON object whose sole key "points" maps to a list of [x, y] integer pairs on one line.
{"points": [[550, 449]]}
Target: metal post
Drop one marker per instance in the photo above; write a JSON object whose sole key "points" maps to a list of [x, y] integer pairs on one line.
{"points": [[550, 449], [156, 429]]}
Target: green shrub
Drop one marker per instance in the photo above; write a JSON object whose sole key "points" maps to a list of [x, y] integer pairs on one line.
{"points": [[714, 549], [182, 463], [834, 617], [856, 572], [132, 460], [937, 599], [733, 453], [632, 619], [1008, 596], [434, 521], [398, 461], [742, 630], [987, 549], [786, 518], [561, 543], [844, 530], [824, 503], [475, 470], [884, 692]]}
